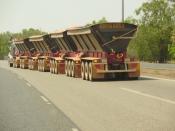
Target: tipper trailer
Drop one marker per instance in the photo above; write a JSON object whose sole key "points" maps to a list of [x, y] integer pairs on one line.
{"points": [[20, 59], [41, 61], [63, 47], [95, 52], [102, 52]]}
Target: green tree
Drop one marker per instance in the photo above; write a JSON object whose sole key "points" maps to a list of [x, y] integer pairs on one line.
{"points": [[4, 43], [7, 36], [156, 19], [102, 20]]}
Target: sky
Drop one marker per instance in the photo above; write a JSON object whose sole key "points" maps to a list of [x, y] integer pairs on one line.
{"points": [[50, 15]]}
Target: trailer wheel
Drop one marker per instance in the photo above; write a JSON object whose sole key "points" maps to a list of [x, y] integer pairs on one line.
{"points": [[38, 65], [43, 66], [29, 65], [69, 68], [50, 66], [66, 64], [56, 67], [11, 64], [86, 71], [20, 63], [73, 69], [23, 63], [53, 66], [82, 70], [90, 72]]}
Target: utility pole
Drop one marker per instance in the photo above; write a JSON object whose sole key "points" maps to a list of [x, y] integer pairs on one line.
{"points": [[123, 10]]}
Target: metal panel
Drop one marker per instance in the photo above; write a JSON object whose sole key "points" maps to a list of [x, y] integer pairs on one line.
{"points": [[60, 44], [22, 47], [95, 42], [51, 44], [79, 31], [29, 45], [42, 46], [36, 47], [64, 43], [81, 42], [88, 43], [19, 48], [79, 47]]}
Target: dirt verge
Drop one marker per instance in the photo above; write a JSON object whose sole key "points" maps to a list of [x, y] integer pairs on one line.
{"points": [[162, 73]]}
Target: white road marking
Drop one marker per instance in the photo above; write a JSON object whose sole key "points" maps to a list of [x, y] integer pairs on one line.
{"points": [[150, 96], [152, 77], [44, 99], [74, 129], [28, 84]]}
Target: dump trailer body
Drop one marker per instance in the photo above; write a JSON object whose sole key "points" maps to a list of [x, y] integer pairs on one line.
{"points": [[63, 47], [103, 49], [41, 61], [20, 59], [32, 58]]}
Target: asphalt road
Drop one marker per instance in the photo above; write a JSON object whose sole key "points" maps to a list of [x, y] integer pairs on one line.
{"points": [[23, 108], [139, 105]]}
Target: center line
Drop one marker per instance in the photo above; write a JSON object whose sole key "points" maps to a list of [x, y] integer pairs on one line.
{"points": [[44, 99], [150, 96]]}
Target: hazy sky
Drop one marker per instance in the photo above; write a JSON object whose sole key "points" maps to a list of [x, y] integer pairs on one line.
{"points": [[49, 15]]}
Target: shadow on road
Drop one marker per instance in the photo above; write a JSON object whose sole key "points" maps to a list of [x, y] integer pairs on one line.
{"points": [[135, 79]]}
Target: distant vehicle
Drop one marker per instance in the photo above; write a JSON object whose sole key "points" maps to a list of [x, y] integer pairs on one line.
{"points": [[12, 54], [95, 52]]}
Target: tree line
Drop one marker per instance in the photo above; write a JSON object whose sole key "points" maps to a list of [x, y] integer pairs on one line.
{"points": [[6, 37], [154, 41]]}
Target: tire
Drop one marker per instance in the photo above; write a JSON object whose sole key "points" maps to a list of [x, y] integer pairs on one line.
{"points": [[32, 64], [56, 67], [90, 72], [66, 68], [69, 68], [50, 66], [43, 66], [23, 63], [29, 64], [39, 65], [82, 70], [73, 69], [86, 71], [11, 64], [19, 63]]}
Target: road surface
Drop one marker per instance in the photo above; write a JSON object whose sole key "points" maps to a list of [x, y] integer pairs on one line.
{"points": [[23, 108], [139, 105]]}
